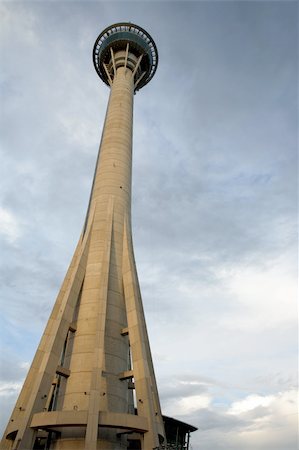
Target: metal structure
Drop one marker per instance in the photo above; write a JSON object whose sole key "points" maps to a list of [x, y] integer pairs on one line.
{"points": [[127, 40], [91, 384]]}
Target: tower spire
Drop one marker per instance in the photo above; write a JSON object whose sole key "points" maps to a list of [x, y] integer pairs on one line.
{"points": [[91, 384]]}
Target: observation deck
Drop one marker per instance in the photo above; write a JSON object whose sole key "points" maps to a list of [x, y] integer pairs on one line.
{"points": [[125, 45]]}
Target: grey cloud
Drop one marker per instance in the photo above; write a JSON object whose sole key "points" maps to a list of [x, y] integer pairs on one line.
{"points": [[9, 373], [209, 420], [178, 388]]}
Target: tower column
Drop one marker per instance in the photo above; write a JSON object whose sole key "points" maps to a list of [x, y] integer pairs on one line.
{"points": [[113, 174]]}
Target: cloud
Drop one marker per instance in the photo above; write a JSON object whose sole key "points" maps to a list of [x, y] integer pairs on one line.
{"points": [[256, 421], [265, 297], [272, 420], [11, 380], [9, 226], [179, 389], [10, 20], [9, 389], [249, 403], [188, 405]]}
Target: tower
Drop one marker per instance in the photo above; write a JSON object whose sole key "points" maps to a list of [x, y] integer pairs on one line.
{"points": [[91, 384]]}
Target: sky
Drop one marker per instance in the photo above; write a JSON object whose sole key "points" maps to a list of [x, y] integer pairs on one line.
{"points": [[214, 200]]}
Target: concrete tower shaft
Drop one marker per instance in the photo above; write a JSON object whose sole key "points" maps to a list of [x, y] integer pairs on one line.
{"points": [[92, 384]]}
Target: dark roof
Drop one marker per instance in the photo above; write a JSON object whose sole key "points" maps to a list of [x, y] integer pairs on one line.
{"points": [[178, 423]]}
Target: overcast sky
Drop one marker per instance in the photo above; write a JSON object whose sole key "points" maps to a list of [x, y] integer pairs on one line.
{"points": [[214, 200]]}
